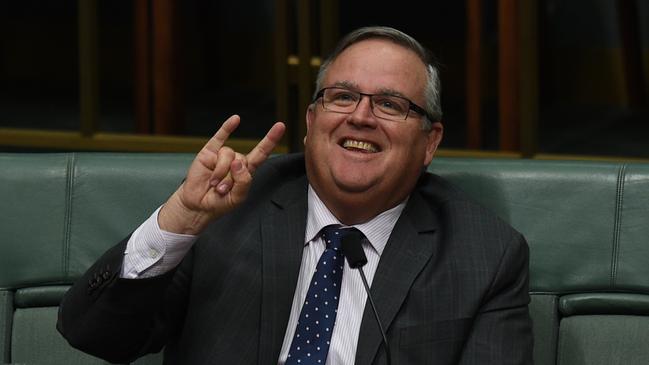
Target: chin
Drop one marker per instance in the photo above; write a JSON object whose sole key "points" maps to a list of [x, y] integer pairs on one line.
{"points": [[349, 184]]}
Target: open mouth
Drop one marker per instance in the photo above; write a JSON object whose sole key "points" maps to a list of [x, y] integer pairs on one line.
{"points": [[360, 146]]}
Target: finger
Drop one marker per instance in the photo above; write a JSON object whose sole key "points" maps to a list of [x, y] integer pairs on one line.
{"points": [[265, 147], [222, 135], [226, 183], [225, 157], [241, 178]]}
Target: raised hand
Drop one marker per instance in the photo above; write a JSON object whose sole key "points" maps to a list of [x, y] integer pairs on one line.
{"points": [[217, 181]]}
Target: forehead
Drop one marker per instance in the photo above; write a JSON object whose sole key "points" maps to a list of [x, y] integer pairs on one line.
{"points": [[374, 65]]}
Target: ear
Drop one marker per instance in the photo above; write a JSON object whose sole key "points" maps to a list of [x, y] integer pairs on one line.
{"points": [[310, 116], [434, 137]]}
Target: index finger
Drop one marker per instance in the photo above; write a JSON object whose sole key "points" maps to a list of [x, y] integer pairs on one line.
{"points": [[222, 135], [264, 148]]}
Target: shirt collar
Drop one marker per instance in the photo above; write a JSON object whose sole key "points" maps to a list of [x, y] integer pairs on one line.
{"points": [[377, 230]]}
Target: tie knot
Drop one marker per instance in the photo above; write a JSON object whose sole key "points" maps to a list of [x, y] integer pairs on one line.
{"points": [[333, 235]]}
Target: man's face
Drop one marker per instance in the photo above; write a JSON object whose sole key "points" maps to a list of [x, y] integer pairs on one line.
{"points": [[360, 164]]}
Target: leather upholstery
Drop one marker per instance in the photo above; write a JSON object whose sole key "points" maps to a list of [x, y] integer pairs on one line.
{"points": [[587, 225], [59, 213]]}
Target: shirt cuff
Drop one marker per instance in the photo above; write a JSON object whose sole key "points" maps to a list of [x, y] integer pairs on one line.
{"points": [[151, 251]]}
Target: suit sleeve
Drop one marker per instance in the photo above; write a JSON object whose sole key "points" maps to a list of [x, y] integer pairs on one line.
{"points": [[121, 319], [502, 330]]}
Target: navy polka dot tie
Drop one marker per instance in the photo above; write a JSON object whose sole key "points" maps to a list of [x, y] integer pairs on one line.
{"points": [[313, 333]]}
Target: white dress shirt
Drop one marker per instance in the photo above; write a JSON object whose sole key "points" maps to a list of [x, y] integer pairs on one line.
{"points": [[152, 251]]}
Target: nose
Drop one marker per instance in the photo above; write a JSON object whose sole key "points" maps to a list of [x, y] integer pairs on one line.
{"points": [[363, 116]]}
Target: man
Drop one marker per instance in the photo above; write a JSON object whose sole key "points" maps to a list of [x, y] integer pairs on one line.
{"points": [[449, 279]]}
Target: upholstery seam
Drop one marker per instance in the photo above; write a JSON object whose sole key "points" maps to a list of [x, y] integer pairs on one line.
{"points": [[9, 295], [619, 199], [560, 346], [68, 214], [555, 332]]}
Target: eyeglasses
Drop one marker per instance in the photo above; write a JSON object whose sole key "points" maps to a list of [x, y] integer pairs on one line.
{"points": [[384, 106]]}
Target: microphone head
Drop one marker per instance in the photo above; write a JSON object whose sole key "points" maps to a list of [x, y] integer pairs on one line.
{"points": [[352, 249]]}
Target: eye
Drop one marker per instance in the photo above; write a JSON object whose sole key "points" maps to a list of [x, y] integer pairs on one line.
{"points": [[390, 104], [343, 97]]}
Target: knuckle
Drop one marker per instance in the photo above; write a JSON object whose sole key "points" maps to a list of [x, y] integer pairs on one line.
{"points": [[226, 152]]}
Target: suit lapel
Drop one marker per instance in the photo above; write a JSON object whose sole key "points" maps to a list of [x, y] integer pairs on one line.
{"points": [[406, 253], [282, 234]]}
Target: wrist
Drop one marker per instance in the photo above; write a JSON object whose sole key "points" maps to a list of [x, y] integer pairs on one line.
{"points": [[175, 217]]}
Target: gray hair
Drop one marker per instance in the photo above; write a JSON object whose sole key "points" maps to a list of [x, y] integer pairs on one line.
{"points": [[433, 86]]}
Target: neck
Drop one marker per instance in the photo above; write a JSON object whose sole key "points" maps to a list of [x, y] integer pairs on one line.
{"points": [[356, 208]]}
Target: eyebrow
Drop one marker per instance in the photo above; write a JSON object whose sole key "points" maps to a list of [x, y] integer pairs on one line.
{"points": [[389, 91], [347, 85], [382, 91]]}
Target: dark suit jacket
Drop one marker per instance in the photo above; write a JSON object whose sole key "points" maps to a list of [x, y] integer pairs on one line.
{"points": [[451, 286]]}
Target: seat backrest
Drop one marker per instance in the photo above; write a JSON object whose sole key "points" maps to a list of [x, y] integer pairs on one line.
{"points": [[587, 225], [60, 212]]}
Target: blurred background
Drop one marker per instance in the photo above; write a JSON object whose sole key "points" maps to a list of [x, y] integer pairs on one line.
{"points": [[528, 78]]}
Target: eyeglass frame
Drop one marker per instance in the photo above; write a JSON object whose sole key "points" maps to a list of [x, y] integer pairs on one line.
{"points": [[411, 106]]}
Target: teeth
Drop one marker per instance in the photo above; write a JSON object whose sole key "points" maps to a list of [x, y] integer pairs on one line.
{"points": [[366, 146]]}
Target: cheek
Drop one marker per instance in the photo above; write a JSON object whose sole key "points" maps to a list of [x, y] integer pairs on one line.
{"points": [[411, 150]]}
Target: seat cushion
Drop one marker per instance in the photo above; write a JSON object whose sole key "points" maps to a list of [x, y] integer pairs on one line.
{"points": [[545, 322], [36, 341], [603, 340]]}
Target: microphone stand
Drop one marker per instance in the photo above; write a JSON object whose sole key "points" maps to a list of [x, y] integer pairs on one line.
{"points": [[353, 251]]}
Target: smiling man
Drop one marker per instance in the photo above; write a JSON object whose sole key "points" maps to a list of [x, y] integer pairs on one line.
{"points": [[242, 264], [367, 138]]}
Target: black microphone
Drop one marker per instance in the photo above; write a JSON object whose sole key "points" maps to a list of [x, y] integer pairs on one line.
{"points": [[351, 246]]}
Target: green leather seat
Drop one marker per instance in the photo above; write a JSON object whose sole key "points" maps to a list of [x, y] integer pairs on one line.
{"points": [[59, 213], [587, 225]]}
